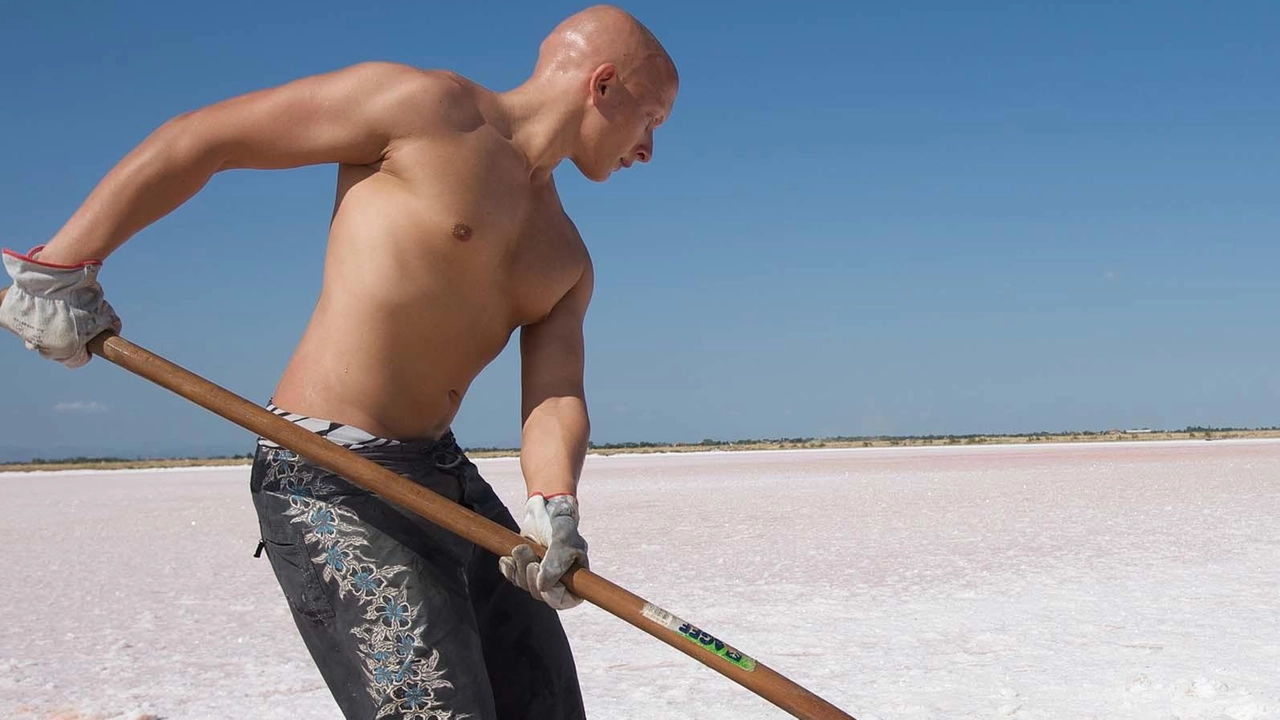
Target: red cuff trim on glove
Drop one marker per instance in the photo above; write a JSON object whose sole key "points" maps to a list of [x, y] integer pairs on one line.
{"points": [[554, 495], [31, 258]]}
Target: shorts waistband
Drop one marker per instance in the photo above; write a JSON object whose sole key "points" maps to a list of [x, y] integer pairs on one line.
{"points": [[348, 436]]}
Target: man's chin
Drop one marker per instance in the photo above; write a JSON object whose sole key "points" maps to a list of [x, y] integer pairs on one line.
{"points": [[594, 175]]}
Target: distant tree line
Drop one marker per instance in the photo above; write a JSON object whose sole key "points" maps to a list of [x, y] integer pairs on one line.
{"points": [[71, 460], [866, 440], [86, 460], [897, 439]]}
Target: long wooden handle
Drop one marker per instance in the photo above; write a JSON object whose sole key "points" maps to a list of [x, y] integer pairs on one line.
{"points": [[682, 635]]}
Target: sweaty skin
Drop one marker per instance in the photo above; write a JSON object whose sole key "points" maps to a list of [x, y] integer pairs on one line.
{"points": [[447, 235]]}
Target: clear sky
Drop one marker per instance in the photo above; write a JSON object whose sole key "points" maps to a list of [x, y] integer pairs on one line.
{"points": [[862, 218]]}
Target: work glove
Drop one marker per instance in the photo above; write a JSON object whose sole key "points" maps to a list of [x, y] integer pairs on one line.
{"points": [[553, 523], [55, 309]]}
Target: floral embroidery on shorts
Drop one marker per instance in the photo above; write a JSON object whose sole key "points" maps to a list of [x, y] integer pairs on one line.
{"points": [[402, 674]]}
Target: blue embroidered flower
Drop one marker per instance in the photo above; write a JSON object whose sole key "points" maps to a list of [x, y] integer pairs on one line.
{"points": [[335, 560], [322, 521], [366, 581], [393, 614], [298, 493], [416, 698], [405, 644]]}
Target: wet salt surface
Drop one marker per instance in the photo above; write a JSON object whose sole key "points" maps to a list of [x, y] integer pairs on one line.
{"points": [[1137, 580]]}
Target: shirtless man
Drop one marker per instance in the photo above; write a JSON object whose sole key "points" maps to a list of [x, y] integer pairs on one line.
{"points": [[447, 236]]}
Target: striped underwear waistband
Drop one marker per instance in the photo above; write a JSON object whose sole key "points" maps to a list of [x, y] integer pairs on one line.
{"points": [[348, 436]]}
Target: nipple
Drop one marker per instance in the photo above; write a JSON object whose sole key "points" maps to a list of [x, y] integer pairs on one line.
{"points": [[461, 231]]}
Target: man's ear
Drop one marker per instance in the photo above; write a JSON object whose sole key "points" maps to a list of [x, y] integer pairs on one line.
{"points": [[603, 80]]}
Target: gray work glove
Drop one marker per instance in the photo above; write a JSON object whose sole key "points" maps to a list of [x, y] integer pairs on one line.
{"points": [[553, 523], [55, 309]]}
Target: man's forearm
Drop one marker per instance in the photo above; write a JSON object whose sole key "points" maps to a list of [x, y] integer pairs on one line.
{"points": [[150, 182], [554, 444]]}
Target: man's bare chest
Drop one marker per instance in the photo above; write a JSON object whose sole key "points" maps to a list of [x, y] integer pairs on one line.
{"points": [[491, 230]]}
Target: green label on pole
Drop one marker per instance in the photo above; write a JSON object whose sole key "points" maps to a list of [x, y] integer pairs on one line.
{"points": [[703, 639]]}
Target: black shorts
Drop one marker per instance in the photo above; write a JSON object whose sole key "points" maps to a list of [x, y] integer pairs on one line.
{"points": [[402, 618]]}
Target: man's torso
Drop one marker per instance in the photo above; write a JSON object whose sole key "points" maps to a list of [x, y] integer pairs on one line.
{"points": [[436, 255]]}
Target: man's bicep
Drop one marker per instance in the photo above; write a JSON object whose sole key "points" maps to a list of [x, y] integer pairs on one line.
{"points": [[553, 350], [348, 116]]}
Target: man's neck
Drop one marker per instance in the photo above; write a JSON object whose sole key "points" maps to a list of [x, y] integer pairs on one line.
{"points": [[541, 124]]}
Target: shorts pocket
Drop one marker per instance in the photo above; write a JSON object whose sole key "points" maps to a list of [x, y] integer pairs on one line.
{"points": [[296, 573]]}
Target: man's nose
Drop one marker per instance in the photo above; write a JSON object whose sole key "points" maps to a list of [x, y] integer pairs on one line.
{"points": [[644, 152]]}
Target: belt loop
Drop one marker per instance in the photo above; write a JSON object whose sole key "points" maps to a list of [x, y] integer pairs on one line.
{"points": [[447, 455], [447, 459]]}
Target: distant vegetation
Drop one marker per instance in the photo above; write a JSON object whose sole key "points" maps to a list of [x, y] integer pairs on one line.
{"points": [[845, 441], [82, 460], [1193, 432], [118, 463]]}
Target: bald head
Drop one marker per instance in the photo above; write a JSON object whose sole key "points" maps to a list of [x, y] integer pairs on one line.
{"points": [[603, 34], [608, 83]]}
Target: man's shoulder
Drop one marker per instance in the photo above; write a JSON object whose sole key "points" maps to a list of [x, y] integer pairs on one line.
{"points": [[431, 99], [411, 76]]}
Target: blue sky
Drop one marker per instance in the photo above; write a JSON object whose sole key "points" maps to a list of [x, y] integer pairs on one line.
{"points": [[862, 218]]}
